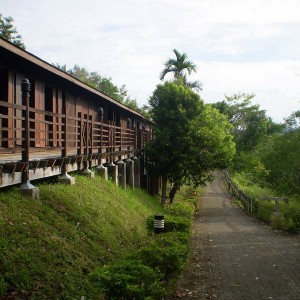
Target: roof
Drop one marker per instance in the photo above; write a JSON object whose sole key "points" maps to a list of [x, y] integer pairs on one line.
{"points": [[29, 57]]}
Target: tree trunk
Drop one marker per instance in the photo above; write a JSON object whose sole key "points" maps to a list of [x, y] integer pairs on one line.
{"points": [[175, 188], [164, 190]]}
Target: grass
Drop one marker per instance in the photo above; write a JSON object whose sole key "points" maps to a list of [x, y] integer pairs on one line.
{"points": [[251, 188], [49, 246]]}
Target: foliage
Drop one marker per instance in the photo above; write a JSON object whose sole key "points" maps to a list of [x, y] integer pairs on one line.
{"points": [[280, 156], [250, 124], [167, 252], [182, 209], [104, 85], [293, 121], [191, 139], [279, 222], [250, 165], [177, 223], [48, 246], [289, 217], [179, 67], [9, 32], [129, 279], [150, 272]]}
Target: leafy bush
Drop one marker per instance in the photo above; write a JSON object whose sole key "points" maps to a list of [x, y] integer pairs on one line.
{"points": [[265, 210], [295, 216], [279, 222], [129, 279], [167, 252], [176, 223], [3, 286], [181, 209]]}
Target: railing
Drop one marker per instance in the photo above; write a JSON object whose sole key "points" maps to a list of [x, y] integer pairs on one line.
{"points": [[72, 135], [250, 204]]}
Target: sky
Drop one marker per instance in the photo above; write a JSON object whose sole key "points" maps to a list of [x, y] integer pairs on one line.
{"points": [[239, 46]]}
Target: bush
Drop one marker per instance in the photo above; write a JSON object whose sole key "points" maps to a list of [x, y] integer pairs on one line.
{"points": [[176, 223], [129, 279], [167, 252], [295, 216], [279, 222], [181, 209]]}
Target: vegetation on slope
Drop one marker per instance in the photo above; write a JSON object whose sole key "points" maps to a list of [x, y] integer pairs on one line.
{"points": [[48, 247]]}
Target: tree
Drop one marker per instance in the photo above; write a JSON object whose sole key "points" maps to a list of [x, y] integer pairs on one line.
{"points": [[191, 139], [179, 67], [9, 32], [280, 156], [293, 121], [250, 123], [102, 84]]}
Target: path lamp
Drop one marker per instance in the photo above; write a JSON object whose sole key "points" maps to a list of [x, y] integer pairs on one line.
{"points": [[26, 187], [159, 223]]}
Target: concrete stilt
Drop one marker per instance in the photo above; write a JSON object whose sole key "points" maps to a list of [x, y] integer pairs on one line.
{"points": [[66, 179], [122, 173], [137, 172], [102, 171], [130, 172], [113, 172], [86, 171], [29, 190]]}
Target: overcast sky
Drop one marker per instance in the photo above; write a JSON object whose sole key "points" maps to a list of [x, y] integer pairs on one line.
{"points": [[250, 46]]}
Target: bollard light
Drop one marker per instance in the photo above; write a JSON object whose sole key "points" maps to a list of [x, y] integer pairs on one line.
{"points": [[159, 223]]}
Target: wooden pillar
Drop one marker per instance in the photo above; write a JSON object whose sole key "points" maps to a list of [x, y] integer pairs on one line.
{"points": [[100, 169], [86, 129], [65, 177], [26, 187]]}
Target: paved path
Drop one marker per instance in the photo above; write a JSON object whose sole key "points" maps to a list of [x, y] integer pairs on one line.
{"points": [[235, 257]]}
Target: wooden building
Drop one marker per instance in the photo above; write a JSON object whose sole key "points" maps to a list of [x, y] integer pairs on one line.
{"points": [[61, 124]]}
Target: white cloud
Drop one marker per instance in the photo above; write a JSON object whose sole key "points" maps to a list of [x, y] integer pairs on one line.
{"points": [[239, 45], [275, 84]]}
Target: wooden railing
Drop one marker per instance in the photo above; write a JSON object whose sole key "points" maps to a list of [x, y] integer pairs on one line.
{"points": [[81, 134], [250, 204]]}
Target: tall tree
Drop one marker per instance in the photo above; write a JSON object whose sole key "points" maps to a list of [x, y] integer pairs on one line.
{"points": [[103, 84], [179, 67], [250, 123], [293, 121], [9, 32], [191, 139], [281, 157]]}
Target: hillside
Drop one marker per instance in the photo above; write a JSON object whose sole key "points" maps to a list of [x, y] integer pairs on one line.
{"points": [[49, 246]]}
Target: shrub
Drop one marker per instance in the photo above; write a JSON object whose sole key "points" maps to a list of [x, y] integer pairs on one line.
{"points": [[182, 209], [176, 223], [295, 216], [279, 222], [129, 279], [3, 286], [167, 252]]}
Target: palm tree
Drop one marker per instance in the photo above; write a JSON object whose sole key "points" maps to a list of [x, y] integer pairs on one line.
{"points": [[179, 67]]}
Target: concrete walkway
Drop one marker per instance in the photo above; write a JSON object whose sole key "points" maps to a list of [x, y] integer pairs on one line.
{"points": [[237, 257]]}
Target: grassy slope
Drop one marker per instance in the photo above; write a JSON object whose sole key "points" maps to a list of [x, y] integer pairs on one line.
{"points": [[49, 246]]}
